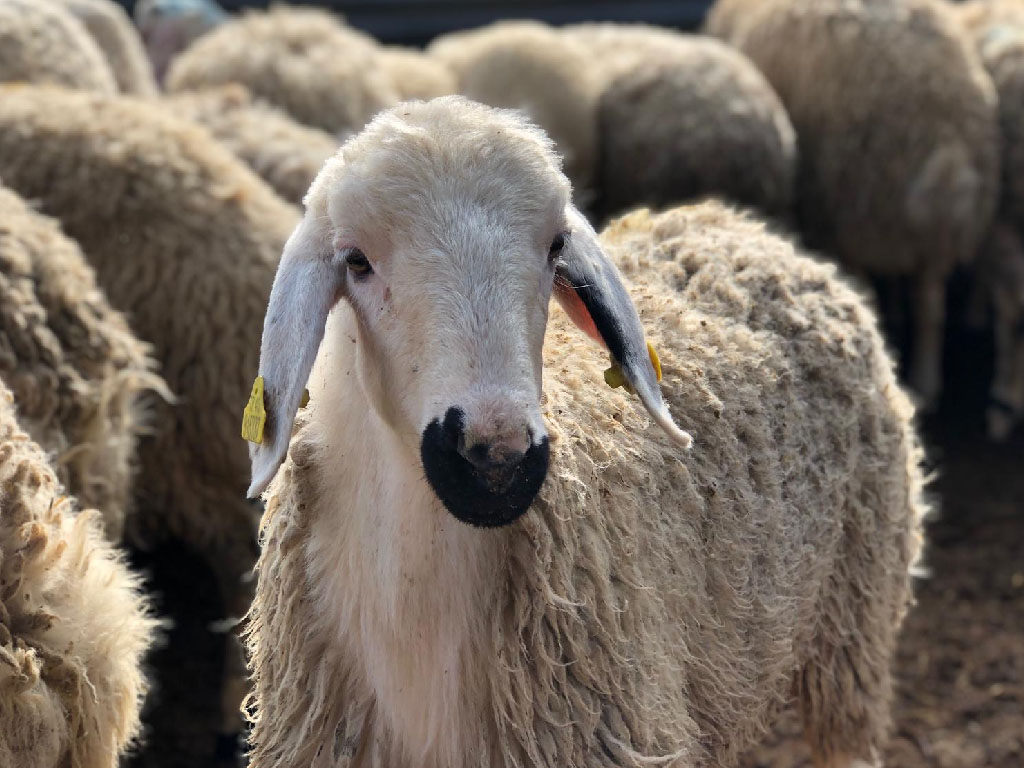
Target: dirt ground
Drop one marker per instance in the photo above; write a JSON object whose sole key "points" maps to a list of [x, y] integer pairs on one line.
{"points": [[960, 667]]}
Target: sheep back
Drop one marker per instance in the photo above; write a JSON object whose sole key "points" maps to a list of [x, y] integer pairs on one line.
{"points": [[74, 626], [76, 370], [285, 153], [302, 60], [117, 38], [416, 75], [41, 42]]}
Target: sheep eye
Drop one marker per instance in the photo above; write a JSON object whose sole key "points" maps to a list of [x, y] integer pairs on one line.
{"points": [[557, 245], [357, 263]]}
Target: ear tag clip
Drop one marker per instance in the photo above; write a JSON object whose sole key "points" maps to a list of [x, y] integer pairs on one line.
{"points": [[615, 378], [254, 417]]}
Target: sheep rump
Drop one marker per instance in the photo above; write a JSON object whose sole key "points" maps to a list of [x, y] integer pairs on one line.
{"points": [[76, 371], [663, 606], [43, 43], [73, 624], [285, 154]]}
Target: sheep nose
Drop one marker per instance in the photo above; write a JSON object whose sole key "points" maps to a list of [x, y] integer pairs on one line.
{"points": [[494, 462]]}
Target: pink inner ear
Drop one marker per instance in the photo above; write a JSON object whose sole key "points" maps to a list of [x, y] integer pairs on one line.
{"points": [[577, 310]]}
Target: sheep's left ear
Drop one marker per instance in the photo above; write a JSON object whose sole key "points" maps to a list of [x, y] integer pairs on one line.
{"points": [[589, 288]]}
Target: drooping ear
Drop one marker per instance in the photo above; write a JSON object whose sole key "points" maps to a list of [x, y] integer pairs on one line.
{"points": [[308, 283], [589, 288]]}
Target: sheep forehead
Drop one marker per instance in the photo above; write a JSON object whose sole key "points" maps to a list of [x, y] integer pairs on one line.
{"points": [[426, 162]]}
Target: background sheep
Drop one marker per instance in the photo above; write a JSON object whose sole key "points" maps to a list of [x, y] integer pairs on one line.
{"points": [[76, 370], [42, 43], [654, 605], [116, 36], [681, 117], [415, 75], [302, 60], [896, 122], [998, 31], [528, 66], [286, 154], [184, 239], [73, 625]]}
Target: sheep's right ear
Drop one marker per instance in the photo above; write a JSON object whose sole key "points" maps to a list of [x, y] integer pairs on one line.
{"points": [[308, 283]]}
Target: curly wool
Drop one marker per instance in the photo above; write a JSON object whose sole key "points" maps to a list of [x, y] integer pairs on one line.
{"points": [[896, 121], [78, 373], [682, 117], [286, 154], [41, 42], [528, 66], [416, 75], [652, 608], [185, 240], [301, 60], [119, 41], [74, 626]]}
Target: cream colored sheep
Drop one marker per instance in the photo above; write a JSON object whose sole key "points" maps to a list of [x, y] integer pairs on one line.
{"points": [[682, 117], [286, 154], [78, 373], [303, 60], [652, 605], [74, 626], [528, 66], [897, 127], [117, 37], [184, 240], [41, 42], [169, 26]]}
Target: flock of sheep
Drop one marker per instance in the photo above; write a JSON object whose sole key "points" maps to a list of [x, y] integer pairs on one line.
{"points": [[176, 217]]}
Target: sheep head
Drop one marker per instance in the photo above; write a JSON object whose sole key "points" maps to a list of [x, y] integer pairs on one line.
{"points": [[446, 226]]}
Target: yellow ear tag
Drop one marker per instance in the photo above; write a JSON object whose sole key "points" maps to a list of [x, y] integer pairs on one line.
{"points": [[615, 378], [254, 417], [305, 399]]}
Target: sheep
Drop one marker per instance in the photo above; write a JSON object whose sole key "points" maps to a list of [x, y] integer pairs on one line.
{"points": [[682, 116], [78, 373], [117, 37], [286, 154], [528, 66], [169, 26], [74, 626], [898, 135], [997, 28], [655, 605], [42, 43], [184, 239], [415, 75], [303, 60]]}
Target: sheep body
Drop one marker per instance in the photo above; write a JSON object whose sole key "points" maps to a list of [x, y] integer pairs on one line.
{"points": [[682, 116], [528, 66], [302, 60], [43, 43], [184, 240], [652, 606], [73, 625], [897, 127], [117, 38], [286, 154], [75, 368]]}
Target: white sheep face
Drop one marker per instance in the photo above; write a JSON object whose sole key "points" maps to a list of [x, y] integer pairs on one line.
{"points": [[444, 226]]}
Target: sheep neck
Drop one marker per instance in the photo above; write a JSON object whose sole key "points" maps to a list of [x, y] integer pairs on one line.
{"points": [[408, 589]]}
